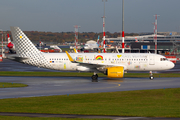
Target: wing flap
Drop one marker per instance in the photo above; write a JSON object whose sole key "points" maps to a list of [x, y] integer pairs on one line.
{"points": [[96, 65]]}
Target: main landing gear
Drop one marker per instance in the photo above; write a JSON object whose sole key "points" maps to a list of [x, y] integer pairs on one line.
{"points": [[151, 75], [94, 78]]}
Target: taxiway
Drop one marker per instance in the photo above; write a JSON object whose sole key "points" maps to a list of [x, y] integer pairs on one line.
{"points": [[48, 86]]}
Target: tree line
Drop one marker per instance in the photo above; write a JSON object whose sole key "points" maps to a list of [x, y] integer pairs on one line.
{"points": [[62, 37]]}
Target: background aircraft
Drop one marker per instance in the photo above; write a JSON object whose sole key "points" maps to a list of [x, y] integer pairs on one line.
{"points": [[92, 45], [10, 45]]}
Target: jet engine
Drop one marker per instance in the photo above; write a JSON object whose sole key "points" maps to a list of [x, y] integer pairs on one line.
{"points": [[115, 72]]}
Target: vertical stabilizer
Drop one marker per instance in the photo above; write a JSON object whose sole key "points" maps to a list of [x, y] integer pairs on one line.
{"points": [[26, 49], [9, 40], [10, 45]]}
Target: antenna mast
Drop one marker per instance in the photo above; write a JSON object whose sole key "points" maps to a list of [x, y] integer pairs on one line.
{"points": [[122, 26], [155, 32], [104, 34], [76, 35]]}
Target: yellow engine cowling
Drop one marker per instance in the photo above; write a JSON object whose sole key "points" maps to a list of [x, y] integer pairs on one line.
{"points": [[115, 72]]}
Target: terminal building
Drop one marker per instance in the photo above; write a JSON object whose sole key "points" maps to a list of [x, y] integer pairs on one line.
{"points": [[165, 44]]}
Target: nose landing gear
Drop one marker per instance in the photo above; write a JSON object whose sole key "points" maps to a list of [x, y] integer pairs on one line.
{"points": [[151, 75]]}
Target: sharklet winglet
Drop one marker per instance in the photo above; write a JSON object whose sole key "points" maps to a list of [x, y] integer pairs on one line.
{"points": [[70, 58], [75, 50]]}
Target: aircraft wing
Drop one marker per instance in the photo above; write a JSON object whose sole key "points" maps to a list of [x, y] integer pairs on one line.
{"points": [[92, 65], [97, 65]]}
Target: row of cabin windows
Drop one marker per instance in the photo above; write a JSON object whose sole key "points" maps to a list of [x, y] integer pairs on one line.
{"points": [[58, 59], [124, 59], [104, 59], [161, 59]]}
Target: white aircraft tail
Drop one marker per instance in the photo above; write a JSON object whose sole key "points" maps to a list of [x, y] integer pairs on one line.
{"points": [[26, 50], [98, 40]]}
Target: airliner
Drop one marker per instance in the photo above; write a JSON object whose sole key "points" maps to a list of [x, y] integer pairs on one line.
{"points": [[114, 65], [92, 45]]}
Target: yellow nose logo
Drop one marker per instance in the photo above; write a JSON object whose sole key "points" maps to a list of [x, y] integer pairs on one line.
{"points": [[20, 36], [119, 56]]}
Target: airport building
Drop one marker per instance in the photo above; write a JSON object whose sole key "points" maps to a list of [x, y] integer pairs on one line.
{"points": [[165, 44]]}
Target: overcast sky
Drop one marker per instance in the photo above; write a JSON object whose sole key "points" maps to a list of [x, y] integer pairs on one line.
{"points": [[62, 15]]}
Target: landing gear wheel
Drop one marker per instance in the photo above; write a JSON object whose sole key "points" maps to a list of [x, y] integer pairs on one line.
{"points": [[94, 78], [151, 77]]}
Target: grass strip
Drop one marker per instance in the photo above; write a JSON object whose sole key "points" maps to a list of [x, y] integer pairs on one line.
{"points": [[10, 85], [17, 73], [42, 118], [81, 74], [145, 103]]}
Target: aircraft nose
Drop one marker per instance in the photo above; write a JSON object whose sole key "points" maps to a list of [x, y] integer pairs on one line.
{"points": [[171, 65]]}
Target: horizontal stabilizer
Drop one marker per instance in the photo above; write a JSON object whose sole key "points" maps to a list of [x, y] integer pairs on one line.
{"points": [[16, 58]]}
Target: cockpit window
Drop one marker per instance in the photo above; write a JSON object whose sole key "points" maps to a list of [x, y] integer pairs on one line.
{"points": [[164, 59]]}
